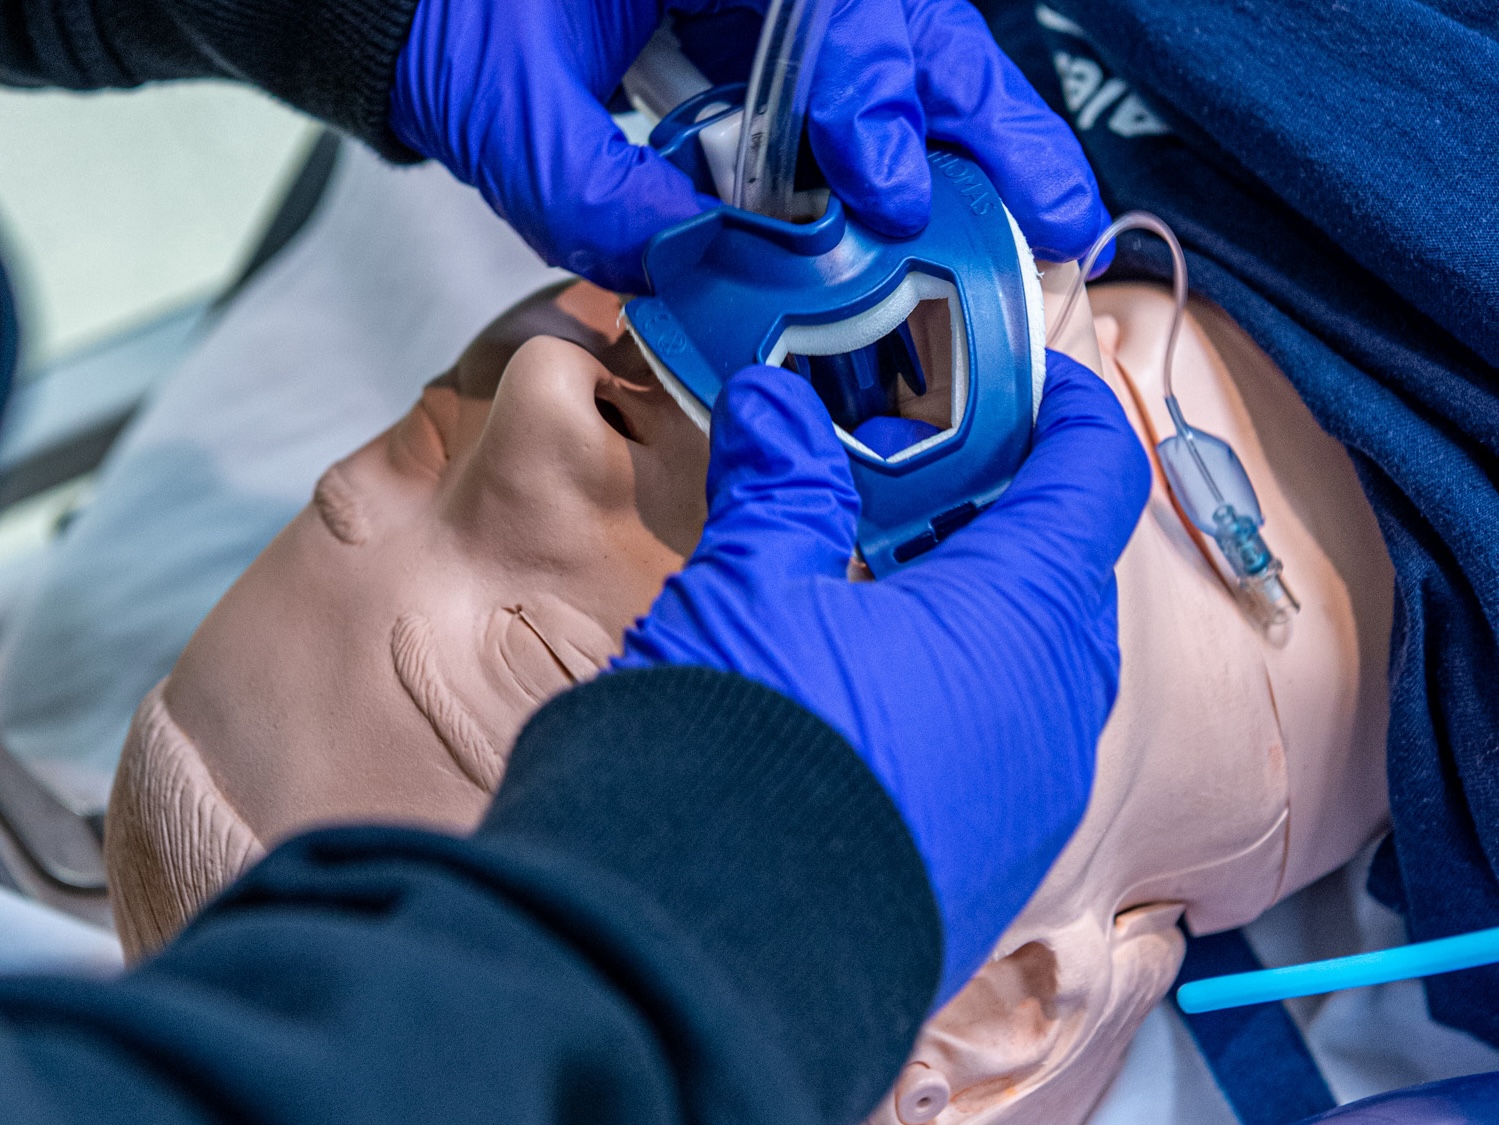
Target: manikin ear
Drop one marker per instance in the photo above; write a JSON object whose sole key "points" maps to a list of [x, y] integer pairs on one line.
{"points": [[1039, 1033], [172, 839]]}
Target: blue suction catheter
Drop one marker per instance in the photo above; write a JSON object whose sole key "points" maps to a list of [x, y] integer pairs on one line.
{"points": [[1421, 959], [831, 299]]}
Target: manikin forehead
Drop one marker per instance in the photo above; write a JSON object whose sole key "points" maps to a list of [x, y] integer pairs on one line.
{"points": [[575, 311]]}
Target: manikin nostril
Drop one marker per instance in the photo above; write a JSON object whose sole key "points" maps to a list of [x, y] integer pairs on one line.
{"points": [[615, 417], [921, 1094]]}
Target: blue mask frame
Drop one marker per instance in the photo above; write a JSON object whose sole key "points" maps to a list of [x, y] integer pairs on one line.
{"points": [[732, 288]]}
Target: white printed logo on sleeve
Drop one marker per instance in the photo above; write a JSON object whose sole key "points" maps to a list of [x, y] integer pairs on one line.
{"points": [[1090, 94]]}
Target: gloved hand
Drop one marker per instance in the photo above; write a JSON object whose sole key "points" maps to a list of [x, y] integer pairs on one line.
{"points": [[976, 681], [510, 96]]}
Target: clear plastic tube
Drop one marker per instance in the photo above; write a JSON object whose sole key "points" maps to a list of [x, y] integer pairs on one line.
{"points": [[780, 87], [1135, 220], [1205, 475]]}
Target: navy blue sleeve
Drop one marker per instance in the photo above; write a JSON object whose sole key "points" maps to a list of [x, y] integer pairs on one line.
{"points": [[334, 59], [690, 902]]}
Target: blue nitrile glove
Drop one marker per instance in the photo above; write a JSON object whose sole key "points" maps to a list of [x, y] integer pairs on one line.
{"points": [[510, 96], [976, 681]]}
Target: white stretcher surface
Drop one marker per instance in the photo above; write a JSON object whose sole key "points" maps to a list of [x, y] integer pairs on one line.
{"points": [[38, 939]]}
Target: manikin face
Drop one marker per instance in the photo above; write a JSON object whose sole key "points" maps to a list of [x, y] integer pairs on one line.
{"points": [[378, 658], [376, 661]]}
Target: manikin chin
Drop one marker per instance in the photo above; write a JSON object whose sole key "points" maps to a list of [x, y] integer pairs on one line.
{"points": [[488, 551]]}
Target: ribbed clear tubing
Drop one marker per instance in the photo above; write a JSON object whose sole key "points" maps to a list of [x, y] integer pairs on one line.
{"points": [[780, 88]]}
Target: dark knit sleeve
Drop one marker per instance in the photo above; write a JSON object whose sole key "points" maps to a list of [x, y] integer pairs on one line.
{"points": [[690, 903], [334, 59]]}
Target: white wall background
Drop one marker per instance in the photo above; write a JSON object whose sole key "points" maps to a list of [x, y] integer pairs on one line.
{"points": [[115, 206]]}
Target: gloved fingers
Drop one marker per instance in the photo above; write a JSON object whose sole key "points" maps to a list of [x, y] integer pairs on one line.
{"points": [[887, 436], [1073, 505], [780, 496], [974, 96], [865, 119], [589, 200], [508, 97]]}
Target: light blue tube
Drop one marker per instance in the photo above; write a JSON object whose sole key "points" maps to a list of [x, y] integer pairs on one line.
{"points": [[1422, 959]]}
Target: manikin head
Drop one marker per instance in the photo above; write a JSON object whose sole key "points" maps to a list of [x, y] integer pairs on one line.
{"points": [[490, 549], [377, 659]]}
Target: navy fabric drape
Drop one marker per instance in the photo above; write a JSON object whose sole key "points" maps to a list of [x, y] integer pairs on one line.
{"points": [[1333, 172]]}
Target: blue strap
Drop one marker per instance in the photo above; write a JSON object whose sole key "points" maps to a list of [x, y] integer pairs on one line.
{"points": [[1256, 1053]]}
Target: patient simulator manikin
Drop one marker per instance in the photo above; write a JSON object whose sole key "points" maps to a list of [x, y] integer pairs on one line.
{"points": [[489, 550]]}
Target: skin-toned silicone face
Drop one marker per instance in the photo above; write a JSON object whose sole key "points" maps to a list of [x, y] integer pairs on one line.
{"points": [[375, 662], [489, 550]]}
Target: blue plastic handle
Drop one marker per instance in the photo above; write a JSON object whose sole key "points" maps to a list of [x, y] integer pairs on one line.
{"points": [[1421, 959]]}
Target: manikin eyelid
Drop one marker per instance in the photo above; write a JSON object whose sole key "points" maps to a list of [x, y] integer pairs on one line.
{"points": [[414, 651], [595, 311], [337, 503], [338, 498]]}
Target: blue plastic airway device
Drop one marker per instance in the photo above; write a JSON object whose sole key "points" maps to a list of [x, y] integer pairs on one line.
{"points": [[830, 298]]}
